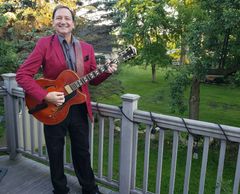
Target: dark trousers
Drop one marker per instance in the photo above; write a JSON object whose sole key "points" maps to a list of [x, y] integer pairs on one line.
{"points": [[76, 123]]}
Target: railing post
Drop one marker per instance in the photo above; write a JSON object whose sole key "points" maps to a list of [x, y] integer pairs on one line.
{"points": [[9, 84], [129, 105]]}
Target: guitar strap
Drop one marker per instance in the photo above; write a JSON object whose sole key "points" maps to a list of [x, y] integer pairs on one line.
{"points": [[79, 59]]}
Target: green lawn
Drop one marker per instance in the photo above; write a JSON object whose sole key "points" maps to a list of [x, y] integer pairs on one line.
{"points": [[228, 174], [218, 103]]}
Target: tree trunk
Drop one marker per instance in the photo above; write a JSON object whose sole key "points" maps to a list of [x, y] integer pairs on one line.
{"points": [[194, 99], [183, 51], [153, 72], [224, 49]]}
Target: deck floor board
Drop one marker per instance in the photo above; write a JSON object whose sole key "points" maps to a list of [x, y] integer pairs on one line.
{"points": [[26, 176]]}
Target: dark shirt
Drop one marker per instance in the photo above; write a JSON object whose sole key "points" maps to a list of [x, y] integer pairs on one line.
{"points": [[69, 52]]}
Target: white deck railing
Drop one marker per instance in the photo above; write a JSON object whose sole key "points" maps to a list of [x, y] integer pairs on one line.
{"points": [[119, 136]]}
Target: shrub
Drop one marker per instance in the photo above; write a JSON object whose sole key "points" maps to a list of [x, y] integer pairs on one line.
{"points": [[235, 78], [8, 56]]}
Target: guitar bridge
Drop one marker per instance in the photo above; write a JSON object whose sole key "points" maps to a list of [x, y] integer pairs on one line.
{"points": [[68, 89]]}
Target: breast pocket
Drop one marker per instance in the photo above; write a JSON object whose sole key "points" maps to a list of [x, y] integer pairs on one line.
{"points": [[87, 64]]}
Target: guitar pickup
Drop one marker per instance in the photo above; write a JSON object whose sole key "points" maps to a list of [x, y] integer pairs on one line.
{"points": [[68, 89]]}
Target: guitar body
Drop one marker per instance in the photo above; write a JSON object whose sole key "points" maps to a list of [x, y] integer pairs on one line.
{"points": [[49, 113]]}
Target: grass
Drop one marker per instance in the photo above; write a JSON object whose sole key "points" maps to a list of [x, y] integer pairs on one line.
{"points": [[218, 103], [228, 174]]}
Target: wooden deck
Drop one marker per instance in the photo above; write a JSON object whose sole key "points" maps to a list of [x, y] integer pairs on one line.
{"points": [[25, 176]]}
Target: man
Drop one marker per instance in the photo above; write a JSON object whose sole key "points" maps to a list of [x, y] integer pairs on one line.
{"points": [[55, 54]]}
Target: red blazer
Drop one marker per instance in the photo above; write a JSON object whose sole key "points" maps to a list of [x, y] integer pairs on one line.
{"points": [[49, 55]]}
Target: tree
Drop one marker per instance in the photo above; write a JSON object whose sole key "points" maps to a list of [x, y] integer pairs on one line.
{"points": [[213, 41], [8, 54], [183, 14], [26, 21], [207, 32], [101, 21], [145, 25]]}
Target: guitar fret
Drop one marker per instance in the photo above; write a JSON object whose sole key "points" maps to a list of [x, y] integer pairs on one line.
{"points": [[75, 86], [102, 69], [85, 79], [97, 72], [72, 85], [94, 73], [79, 83], [115, 61], [88, 77], [82, 81], [91, 75]]}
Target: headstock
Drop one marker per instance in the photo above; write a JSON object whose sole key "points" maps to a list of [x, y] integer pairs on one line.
{"points": [[129, 53]]}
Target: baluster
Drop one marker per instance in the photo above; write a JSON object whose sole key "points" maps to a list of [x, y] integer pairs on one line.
{"points": [[220, 166], [204, 165], [32, 134], [91, 138], [134, 156], [160, 161], [110, 149], [237, 174], [146, 158], [100, 147], [18, 132], [24, 124], [188, 164], [174, 162]]}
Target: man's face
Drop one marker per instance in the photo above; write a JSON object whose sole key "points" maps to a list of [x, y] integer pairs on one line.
{"points": [[63, 22]]}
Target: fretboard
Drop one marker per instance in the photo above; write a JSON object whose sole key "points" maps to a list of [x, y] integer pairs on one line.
{"points": [[90, 76]]}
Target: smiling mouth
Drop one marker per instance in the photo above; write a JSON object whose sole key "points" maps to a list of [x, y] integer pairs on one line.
{"points": [[63, 25]]}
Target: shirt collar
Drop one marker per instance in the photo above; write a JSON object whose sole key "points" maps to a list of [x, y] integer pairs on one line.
{"points": [[61, 39]]}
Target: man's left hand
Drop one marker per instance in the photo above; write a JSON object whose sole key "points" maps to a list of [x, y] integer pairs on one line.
{"points": [[112, 68]]}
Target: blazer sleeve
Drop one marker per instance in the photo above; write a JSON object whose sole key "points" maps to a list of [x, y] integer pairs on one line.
{"points": [[25, 73]]}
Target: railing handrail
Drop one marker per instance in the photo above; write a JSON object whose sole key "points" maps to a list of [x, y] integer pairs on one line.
{"points": [[197, 127]]}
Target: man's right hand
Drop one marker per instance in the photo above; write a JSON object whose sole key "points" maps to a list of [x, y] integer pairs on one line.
{"points": [[56, 98]]}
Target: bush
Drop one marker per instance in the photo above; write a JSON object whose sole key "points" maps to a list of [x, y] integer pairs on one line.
{"points": [[235, 79], [8, 55]]}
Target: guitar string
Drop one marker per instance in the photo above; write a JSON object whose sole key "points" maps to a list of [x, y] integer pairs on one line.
{"points": [[75, 85]]}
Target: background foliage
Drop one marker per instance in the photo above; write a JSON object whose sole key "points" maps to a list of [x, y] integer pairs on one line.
{"points": [[201, 36]]}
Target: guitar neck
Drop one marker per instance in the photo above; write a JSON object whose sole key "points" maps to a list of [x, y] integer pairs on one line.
{"points": [[125, 55], [90, 76]]}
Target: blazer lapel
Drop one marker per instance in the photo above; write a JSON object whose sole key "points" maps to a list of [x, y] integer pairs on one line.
{"points": [[58, 49]]}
